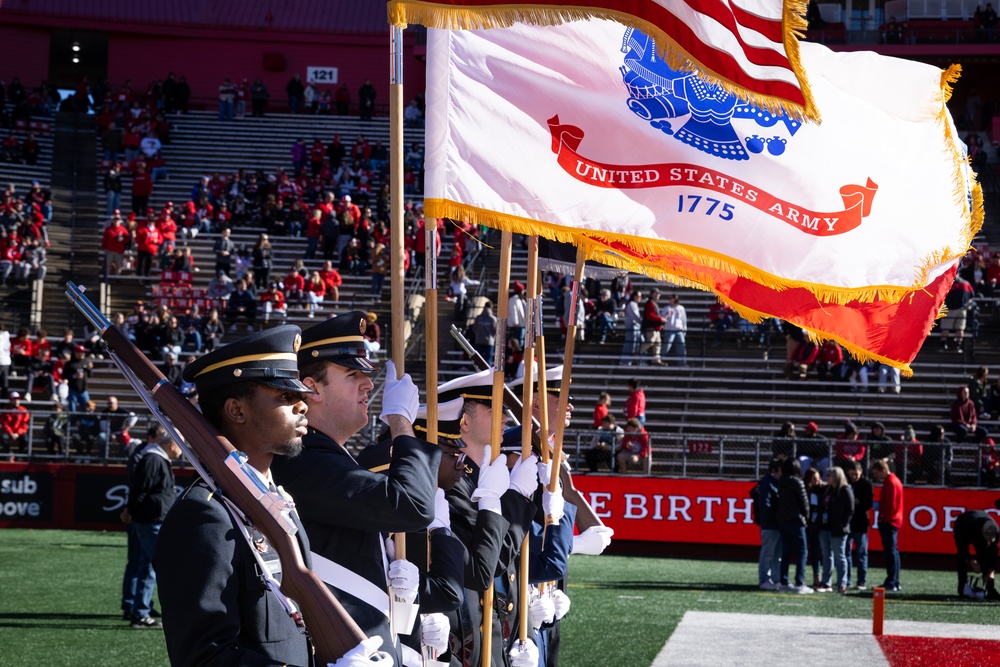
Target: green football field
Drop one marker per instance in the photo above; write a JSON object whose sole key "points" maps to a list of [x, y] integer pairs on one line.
{"points": [[60, 594]]}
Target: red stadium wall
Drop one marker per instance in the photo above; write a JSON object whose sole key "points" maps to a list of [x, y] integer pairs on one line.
{"points": [[205, 56], [24, 52], [645, 509], [690, 511], [206, 59]]}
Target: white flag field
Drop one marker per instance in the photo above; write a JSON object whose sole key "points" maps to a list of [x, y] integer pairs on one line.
{"points": [[580, 131]]}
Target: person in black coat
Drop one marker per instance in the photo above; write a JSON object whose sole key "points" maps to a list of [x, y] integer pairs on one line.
{"points": [[152, 492], [793, 512], [491, 518], [217, 606], [864, 496], [347, 510], [978, 530], [436, 552]]}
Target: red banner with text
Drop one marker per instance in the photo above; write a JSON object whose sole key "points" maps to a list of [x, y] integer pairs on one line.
{"points": [[655, 509]]}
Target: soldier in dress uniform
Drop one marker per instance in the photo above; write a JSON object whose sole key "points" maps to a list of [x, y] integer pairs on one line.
{"points": [[347, 510], [442, 580], [491, 512], [217, 607], [549, 547]]}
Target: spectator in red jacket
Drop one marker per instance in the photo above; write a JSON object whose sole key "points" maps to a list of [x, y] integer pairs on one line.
{"points": [[964, 421], [829, 361], [314, 231], [889, 510], [272, 302], [849, 446], [722, 317], [634, 451], [10, 256], [295, 285], [147, 243], [652, 325], [14, 424], [635, 406], [315, 291], [803, 357], [167, 227], [332, 280], [114, 242], [22, 348], [602, 408], [142, 188]]}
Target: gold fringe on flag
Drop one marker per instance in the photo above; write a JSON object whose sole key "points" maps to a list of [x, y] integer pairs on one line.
{"points": [[449, 17], [442, 208]]}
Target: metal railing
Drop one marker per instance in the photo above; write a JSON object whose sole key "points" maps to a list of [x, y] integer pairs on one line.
{"points": [[949, 464]]}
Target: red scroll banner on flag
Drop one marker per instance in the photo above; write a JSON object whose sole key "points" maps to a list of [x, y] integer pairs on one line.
{"points": [[745, 46], [566, 139]]}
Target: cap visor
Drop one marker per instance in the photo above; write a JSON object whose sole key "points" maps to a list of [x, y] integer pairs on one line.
{"points": [[357, 363], [284, 384]]}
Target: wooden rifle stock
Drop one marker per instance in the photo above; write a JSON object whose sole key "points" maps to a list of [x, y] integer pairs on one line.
{"points": [[332, 630], [585, 515]]}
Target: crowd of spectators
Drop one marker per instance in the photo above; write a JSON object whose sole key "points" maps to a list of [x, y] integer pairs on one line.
{"points": [[305, 98], [23, 234]]}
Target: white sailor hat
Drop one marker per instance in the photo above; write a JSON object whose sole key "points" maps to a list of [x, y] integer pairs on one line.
{"points": [[475, 387], [449, 421], [553, 379]]}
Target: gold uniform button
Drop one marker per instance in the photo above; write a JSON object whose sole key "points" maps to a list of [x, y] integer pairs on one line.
{"points": [[512, 577], [480, 628], [510, 606]]}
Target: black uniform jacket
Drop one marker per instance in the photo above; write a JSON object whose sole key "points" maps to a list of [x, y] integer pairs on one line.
{"points": [[493, 542], [347, 510], [216, 607]]}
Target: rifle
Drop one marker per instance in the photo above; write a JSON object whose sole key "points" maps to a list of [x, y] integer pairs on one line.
{"points": [[585, 515], [332, 630]]}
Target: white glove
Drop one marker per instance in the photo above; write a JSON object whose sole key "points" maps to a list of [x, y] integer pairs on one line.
{"points": [[524, 654], [592, 541], [552, 503], [442, 513], [364, 654], [434, 630], [404, 579], [561, 601], [524, 478], [400, 397], [541, 610], [494, 480]]}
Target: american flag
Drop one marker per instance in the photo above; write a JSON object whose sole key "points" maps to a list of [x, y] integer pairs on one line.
{"points": [[748, 46]]}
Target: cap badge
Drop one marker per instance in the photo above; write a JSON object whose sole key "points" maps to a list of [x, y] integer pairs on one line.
{"points": [[363, 325], [237, 372], [296, 343]]}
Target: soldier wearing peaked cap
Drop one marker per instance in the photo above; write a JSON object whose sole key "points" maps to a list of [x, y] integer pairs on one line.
{"points": [[217, 608], [490, 514], [442, 580], [550, 548], [347, 510]]}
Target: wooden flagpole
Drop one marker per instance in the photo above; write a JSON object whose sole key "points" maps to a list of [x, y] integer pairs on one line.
{"points": [[567, 368], [431, 328], [496, 432], [396, 223], [527, 398]]}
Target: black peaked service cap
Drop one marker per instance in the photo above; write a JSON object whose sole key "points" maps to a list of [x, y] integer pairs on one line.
{"points": [[267, 357]]}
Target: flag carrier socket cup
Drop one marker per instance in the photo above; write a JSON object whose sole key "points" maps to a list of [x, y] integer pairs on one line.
{"points": [[404, 613]]}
